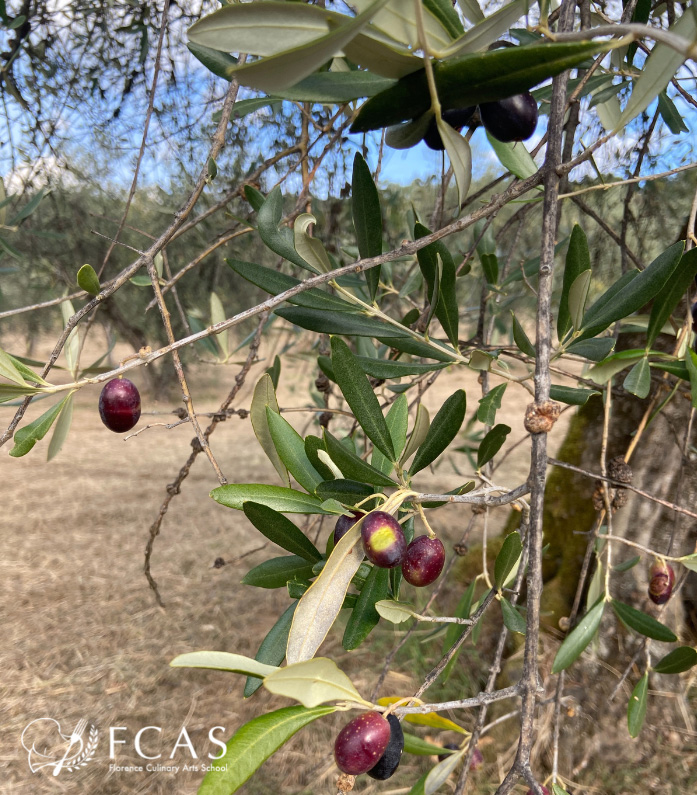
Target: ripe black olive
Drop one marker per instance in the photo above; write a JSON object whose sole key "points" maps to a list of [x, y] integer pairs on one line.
{"points": [[511, 119], [389, 761]]}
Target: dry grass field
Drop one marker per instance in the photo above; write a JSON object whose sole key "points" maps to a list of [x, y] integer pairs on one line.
{"points": [[83, 636]]}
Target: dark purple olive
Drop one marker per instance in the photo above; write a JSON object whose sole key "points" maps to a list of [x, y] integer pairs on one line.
{"points": [[383, 540], [662, 579], [511, 119], [389, 761], [477, 759], [119, 405], [361, 743], [457, 118], [423, 561], [343, 525]]}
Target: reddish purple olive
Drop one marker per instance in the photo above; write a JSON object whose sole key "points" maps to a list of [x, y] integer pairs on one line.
{"points": [[361, 743], [457, 118], [343, 525], [383, 540], [662, 579], [119, 405], [423, 561], [389, 761], [511, 119]]}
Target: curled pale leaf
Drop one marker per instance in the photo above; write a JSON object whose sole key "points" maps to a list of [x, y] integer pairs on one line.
{"points": [[309, 248], [313, 682], [223, 661], [394, 612], [320, 604]]}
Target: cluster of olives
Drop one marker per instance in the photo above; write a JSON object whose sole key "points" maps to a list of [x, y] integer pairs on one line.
{"points": [[385, 546], [119, 405], [510, 119]]}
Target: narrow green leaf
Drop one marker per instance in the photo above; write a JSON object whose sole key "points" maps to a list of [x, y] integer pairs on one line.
{"points": [[441, 772], [507, 559], [9, 369], [358, 393], [643, 623], [21, 366], [352, 466], [217, 316], [364, 616], [253, 743], [444, 428], [313, 446], [557, 790], [471, 10], [265, 397], [669, 297], [419, 433], [658, 71], [474, 78], [677, 661], [415, 745], [274, 371], [25, 438], [491, 444], [275, 282], [367, 218], [340, 87], [521, 339], [312, 682], [272, 650], [347, 492], [279, 239], [60, 432], [512, 619], [572, 396], [638, 379], [285, 69], [486, 31], [595, 349], [222, 661], [88, 280], [577, 262], [578, 638], [627, 564], [397, 420], [636, 709], [446, 304], [578, 294], [670, 114], [490, 404], [285, 500], [219, 63], [460, 155], [634, 294], [444, 12], [12, 392], [514, 157], [418, 348], [344, 323], [277, 572], [277, 528], [291, 450]]}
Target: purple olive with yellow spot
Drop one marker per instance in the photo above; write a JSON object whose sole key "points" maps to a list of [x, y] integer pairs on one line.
{"points": [[361, 743], [383, 540], [423, 561]]}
